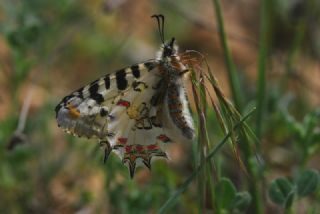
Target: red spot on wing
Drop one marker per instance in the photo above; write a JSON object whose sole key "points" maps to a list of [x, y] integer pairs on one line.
{"points": [[122, 140], [128, 148], [123, 103], [164, 138], [152, 147], [139, 148]]}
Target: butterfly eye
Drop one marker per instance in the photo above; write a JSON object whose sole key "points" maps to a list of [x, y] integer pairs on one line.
{"points": [[169, 48], [167, 51]]}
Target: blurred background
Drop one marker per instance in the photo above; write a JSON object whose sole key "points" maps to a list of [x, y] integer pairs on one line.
{"points": [[50, 48]]}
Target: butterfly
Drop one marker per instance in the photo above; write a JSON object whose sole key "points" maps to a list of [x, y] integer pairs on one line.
{"points": [[136, 111]]}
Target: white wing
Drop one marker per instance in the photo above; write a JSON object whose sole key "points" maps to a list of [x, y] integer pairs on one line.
{"points": [[85, 111]]}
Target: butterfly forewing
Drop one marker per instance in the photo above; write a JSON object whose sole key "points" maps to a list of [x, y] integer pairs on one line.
{"points": [[85, 112]]}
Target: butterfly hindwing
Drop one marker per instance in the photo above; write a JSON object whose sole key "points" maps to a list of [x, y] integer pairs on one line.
{"points": [[137, 134]]}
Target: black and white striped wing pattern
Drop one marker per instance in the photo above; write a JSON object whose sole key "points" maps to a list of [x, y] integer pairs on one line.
{"points": [[86, 112], [117, 110]]}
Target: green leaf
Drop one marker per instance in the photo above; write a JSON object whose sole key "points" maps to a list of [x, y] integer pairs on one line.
{"points": [[294, 126], [241, 201], [307, 182], [289, 200], [226, 192], [281, 192]]}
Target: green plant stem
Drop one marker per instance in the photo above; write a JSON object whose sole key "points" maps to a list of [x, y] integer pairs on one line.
{"points": [[296, 44], [231, 69], [214, 151], [261, 103], [253, 173], [298, 36], [262, 63], [288, 210]]}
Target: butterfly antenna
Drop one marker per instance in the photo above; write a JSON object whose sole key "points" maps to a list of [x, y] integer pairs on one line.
{"points": [[162, 26], [160, 21]]}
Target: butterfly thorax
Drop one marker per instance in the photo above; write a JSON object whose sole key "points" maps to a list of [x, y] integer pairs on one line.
{"points": [[170, 63]]}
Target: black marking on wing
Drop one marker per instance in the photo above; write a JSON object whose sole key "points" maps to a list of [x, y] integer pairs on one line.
{"points": [[155, 121], [139, 86], [80, 93], [150, 65], [58, 107], [66, 98], [122, 82], [107, 81], [135, 71], [93, 90], [62, 103], [157, 98], [103, 112]]}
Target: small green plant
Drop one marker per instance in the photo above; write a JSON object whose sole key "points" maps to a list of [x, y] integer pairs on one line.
{"points": [[230, 200], [284, 192], [305, 135]]}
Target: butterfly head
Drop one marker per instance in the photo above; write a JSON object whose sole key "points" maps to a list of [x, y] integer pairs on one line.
{"points": [[168, 48]]}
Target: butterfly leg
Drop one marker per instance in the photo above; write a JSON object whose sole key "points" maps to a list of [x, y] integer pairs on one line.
{"points": [[107, 149], [147, 163]]}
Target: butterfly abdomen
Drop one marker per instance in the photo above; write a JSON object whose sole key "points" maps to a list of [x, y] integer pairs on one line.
{"points": [[178, 109]]}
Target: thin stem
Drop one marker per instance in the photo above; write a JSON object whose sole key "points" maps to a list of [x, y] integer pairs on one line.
{"points": [[231, 69], [260, 99], [263, 51], [24, 111]]}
